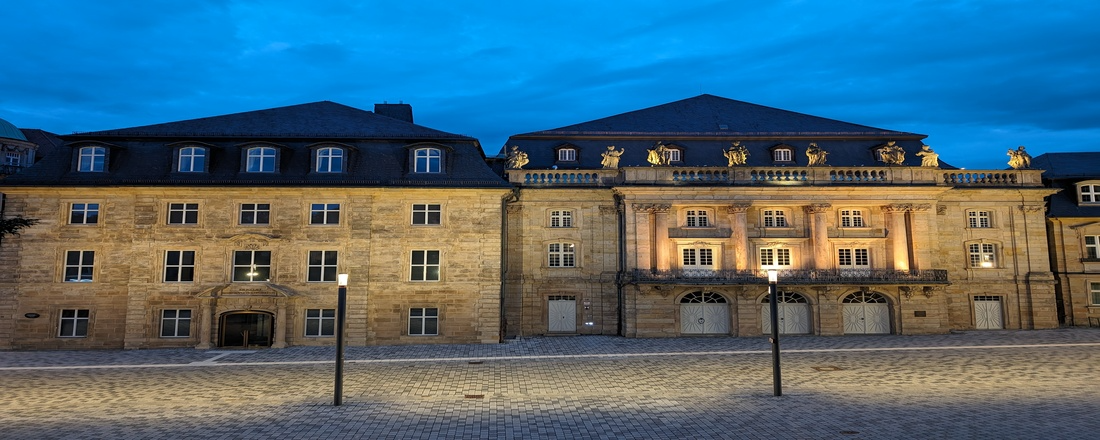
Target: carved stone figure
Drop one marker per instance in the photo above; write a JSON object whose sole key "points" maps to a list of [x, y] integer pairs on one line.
{"points": [[816, 155], [892, 154], [517, 159], [611, 157], [1018, 158], [736, 155], [928, 158], [658, 155]]}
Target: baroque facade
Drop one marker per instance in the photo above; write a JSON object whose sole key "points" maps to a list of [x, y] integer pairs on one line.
{"points": [[697, 198]]}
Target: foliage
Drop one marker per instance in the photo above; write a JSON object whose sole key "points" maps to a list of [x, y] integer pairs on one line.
{"points": [[12, 226]]}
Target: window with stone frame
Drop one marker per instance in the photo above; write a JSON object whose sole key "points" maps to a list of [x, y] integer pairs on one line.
{"points": [[775, 257], [183, 213], [979, 219], [324, 214], [427, 214], [1094, 293], [251, 266], [91, 159], [982, 255], [423, 321], [852, 218], [320, 322], [1089, 193], [562, 255], [13, 158], [561, 218], [321, 267], [697, 259], [255, 213], [775, 218], [1092, 247], [79, 266], [175, 323], [853, 258], [697, 218], [73, 323], [179, 266], [83, 213], [425, 265], [191, 160]]}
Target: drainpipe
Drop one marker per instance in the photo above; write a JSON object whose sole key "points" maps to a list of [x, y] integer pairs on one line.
{"points": [[512, 196], [620, 275]]}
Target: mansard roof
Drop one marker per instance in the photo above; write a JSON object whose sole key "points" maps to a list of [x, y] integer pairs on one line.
{"points": [[706, 125], [1063, 171], [379, 152]]}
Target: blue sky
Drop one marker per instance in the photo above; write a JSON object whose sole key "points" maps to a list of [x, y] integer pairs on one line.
{"points": [[977, 77]]}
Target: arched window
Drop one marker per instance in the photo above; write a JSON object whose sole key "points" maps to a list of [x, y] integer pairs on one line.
{"points": [[330, 160], [427, 160], [786, 297], [703, 298], [260, 160], [92, 159], [192, 160]]}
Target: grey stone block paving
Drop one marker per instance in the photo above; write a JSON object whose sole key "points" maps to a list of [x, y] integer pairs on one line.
{"points": [[1002, 384]]}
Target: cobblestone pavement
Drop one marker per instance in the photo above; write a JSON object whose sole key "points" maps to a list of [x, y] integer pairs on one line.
{"points": [[1003, 384]]}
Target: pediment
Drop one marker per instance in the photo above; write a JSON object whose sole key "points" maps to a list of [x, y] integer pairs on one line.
{"points": [[250, 240], [237, 290]]}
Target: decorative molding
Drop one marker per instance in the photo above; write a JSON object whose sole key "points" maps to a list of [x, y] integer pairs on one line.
{"points": [[512, 209], [608, 209], [941, 209], [922, 207], [818, 208], [737, 208], [897, 207], [1031, 208]]}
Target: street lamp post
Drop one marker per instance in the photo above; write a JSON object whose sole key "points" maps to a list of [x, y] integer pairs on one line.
{"points": [[341, 317], [773, 300]]}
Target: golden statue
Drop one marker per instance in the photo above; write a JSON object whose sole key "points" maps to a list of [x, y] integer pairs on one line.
{"points": [[928, 157], [736, 155], [611, 157], [517, 159]]}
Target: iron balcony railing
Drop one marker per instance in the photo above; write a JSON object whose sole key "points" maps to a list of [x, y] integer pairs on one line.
{"points": [[798, 276]]}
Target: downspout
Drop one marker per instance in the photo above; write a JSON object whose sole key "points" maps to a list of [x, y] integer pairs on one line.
{"points": [[620, 273], [513, 196], [1027, 244]]}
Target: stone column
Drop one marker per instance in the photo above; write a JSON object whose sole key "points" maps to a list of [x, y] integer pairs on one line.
{"points": [[739, 240], [205, 317], [922, 221], [819, 230], [661, 237], [639, 234], [280, 325], [899, 237]]}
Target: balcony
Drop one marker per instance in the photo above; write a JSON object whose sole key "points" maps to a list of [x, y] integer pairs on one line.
{"points": [[800, 276]]}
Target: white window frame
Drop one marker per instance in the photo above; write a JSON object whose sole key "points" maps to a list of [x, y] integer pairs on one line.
{"points": [[183, 213], [324, 213], [175, 321], [329, 160], [321, 266], [782, 155], [1092, 247], [13, 158], [697, 218], [77, 320], [979, 219], [261, 160], [1094, 293], [778, 258], [675, 155], [982, 255], [255, 210], [427, 160], [83, 213], [427, 214], [419, 317], [1088, 193], [179, 266], [256, 271], [853, 258], [775, 218], [191, 160], [79, 266], [561, 254], [852, 218], [421, 265], [561, 218], [320, 323], [567, 155], [91, 159], [698, 259]]}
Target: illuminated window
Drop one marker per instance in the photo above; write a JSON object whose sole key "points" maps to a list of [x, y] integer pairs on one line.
{"points": [[423, 321], [979, 219], [851, 218], [92, 159], [251, 266], [775, 218], [74, 323], [84, 214], [982, 255], [179, 266], [562, 255], [561, 219], [320, 322], [175, 323]]}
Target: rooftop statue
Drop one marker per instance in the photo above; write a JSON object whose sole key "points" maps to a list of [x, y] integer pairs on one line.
{"points": [[1018, 158], [611, 157], [892, 154], [658, 155], [736, 155], [517, 159], [928, 157], [816, 155]]}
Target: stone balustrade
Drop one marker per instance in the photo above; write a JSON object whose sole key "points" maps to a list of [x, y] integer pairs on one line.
{"points": [[793, 276]]}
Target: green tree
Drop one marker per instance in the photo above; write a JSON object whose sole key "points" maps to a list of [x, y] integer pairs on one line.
{"points": [[12, 226]]}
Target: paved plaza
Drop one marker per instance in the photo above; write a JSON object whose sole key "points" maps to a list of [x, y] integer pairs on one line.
{"points": [[1003, 384]]}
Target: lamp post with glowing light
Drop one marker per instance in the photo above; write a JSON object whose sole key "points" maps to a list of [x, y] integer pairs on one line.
{"points": [[773, 300], [341, 317]]}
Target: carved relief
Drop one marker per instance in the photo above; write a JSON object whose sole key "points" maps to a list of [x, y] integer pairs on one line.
{"points": [[517, 159], [817, 208], [815, 155], [737, 208], [1031, 208]]}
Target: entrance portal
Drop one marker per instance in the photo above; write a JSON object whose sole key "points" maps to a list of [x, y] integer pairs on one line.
{"points": [[246, 329]]}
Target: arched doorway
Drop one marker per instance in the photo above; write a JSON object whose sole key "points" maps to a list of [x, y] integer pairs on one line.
{"points": [[246, 329], [794, 314], [704, 313], [866, 313]]}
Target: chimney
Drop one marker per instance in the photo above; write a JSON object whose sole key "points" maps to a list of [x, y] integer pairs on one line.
{"points": [[402, 112]]}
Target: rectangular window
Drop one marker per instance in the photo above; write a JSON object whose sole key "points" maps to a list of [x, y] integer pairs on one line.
{"points": [[567, 155], [1092, 246], [982, 255], [775, 218], [781, 155], [324, 214], [79, 266], [770, 257], [251, 266], [427, 160], [424, 321], [84, 214], [320, 322], [426, 214], [74, 323], [697, 218], [322, 266], [425, 266], [183, 213], [561, 219], [694, 258], [175, 323], [853, 259], [1094, 289], [12, 159], [255, 213], [179, 266], [851, 218], [979, 219], [562, 255], [675, 155], [192, 160], [1090, 193]]}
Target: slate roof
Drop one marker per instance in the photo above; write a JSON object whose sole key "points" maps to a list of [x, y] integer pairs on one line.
{"points": [[706, 125], [379, 152], [1063, 171]]}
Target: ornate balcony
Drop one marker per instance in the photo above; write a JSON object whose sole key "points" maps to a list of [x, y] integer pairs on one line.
{"points": [[800, 276]]}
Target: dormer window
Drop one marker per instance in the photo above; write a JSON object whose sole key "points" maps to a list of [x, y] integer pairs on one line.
{"points": [[427, 160], [192, 160], [567, 155], [260, 160], [675, 155], [330, 160], [92, 159], [1089, 193], [783, 155]]}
